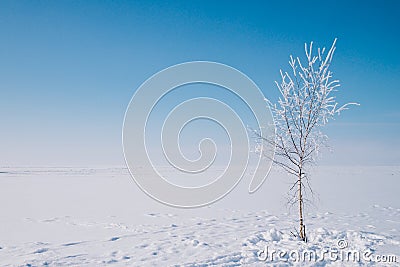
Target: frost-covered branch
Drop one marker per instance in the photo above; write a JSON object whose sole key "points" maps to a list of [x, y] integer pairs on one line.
{"points": [[305, 104]]}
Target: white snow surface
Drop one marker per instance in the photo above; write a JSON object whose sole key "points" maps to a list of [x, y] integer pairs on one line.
{"points": [[98, 216]]}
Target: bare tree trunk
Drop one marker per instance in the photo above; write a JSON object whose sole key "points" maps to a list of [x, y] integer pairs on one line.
{"points": [[302, 229]]}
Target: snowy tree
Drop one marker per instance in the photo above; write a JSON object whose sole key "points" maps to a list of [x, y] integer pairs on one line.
{"points": [[306, 103]]}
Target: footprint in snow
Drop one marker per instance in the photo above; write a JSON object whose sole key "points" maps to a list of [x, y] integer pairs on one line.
{"points": [[40, 250], [71, 244], [50, 220]]}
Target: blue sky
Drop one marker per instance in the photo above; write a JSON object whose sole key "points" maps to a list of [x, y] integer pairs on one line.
{"points": [[69, 68]]}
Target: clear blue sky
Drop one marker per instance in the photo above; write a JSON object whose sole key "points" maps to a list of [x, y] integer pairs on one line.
{"points": [[69, 68]]}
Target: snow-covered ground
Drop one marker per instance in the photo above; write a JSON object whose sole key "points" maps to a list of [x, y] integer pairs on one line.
{"points": [[98, 216]]}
